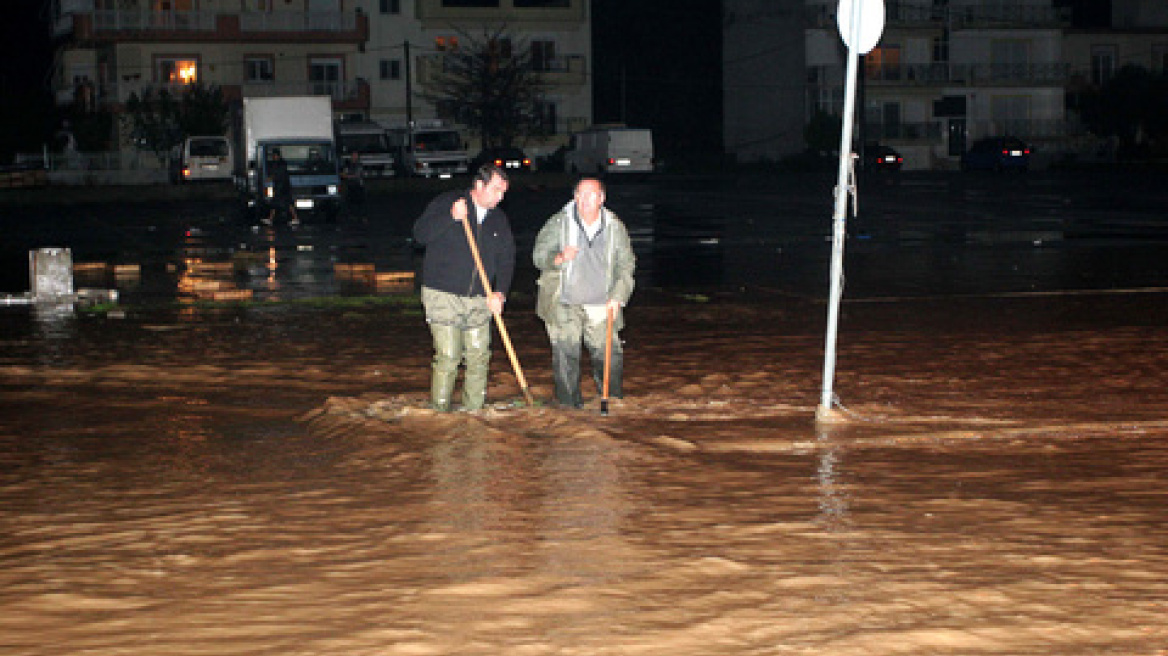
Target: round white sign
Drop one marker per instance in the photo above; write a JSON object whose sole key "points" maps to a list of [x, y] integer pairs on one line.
{"points": [[871, 23]]}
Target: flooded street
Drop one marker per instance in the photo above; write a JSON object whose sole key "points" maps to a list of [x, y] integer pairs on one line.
{"points": [[262, 479]]}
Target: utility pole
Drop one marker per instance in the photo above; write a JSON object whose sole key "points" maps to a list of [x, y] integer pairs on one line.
{"points": [[409, 86]]}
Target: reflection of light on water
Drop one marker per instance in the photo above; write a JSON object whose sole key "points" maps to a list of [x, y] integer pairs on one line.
{"points": [[583, 509], [833, 504], [833, 515], [209, 281], [55, 320]]}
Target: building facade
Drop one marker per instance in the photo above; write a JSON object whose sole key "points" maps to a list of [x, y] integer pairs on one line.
{"points": [[947, 72], [374, 58]]}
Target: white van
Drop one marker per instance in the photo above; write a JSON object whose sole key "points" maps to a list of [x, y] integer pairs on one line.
{"points": [[203, 158], [610, 149]]}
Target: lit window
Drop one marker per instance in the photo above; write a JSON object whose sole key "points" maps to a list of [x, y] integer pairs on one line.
{"points": [[446, 43], [178, 71]]}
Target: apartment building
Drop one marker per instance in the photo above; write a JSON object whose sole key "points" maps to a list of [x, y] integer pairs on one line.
{"points": [[373, 57], [409, 37], [945, 73]]}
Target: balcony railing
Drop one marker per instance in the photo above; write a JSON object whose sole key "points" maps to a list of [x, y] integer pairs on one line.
{"points": [[76, 13], [926, 13], [968, 74], [163, 21], [340, 92], [934, 131], [287, 21]]}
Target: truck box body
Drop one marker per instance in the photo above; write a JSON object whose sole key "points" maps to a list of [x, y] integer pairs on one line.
{"points": [[301, 129], [368, 139], [610, 149], [429, 149]]}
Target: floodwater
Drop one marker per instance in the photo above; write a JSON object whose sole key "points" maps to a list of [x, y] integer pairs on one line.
{"points": [[264, 480]]}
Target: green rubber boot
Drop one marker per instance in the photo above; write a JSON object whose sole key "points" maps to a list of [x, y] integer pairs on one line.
{"points": [[447, 354], [477, 352]]}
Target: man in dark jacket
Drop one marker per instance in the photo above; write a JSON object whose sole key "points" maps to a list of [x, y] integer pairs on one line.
{"points": [[281, 189], [457, 308]]}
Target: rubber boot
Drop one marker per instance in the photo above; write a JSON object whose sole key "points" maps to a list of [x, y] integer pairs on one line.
{"points": [[477, 353], [615, 371], [447, 354], [566, 373]]}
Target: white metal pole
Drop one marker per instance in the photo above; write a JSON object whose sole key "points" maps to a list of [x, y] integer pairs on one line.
{"points": [[838, 217]]}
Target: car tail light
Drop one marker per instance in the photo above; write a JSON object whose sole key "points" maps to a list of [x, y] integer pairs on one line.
{"points": [[186, 172], [611, 161], [498, 162]]}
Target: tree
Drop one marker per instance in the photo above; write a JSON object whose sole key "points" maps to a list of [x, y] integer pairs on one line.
{"points": [[491, 85], [157, 121], [822, 132]]}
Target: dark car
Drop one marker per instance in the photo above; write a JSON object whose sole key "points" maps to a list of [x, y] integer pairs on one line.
{"points": [[511, 160], [997, 154], [882, 158]]}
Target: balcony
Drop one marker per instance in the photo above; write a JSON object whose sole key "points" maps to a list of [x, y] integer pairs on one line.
{"points": [[924, 14], [123, 26], [569, 70], [1025, 75]]}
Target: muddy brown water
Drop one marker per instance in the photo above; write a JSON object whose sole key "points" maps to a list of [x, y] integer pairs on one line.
{"points": [[266, 482]]}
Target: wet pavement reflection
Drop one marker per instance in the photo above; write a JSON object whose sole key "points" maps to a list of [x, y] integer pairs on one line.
{"points": [[265, 479]]}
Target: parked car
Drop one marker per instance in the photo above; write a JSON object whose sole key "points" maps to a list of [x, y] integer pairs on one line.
{"points": [[997, 154], [511, 160], [882, 158]]}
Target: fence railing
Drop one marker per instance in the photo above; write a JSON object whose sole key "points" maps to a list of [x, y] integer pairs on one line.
{"points": [[90, 161]]}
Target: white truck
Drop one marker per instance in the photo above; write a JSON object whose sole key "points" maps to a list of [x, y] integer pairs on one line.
{"points": [[301, 129], [429, 148], [610, 149], [368, 140]]}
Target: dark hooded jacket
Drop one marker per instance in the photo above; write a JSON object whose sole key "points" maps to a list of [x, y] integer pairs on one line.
{"points": [[448, 265]]}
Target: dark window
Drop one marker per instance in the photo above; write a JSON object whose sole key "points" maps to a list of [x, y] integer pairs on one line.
{"points": [[530, 4], [391, 6], [391, 69]]}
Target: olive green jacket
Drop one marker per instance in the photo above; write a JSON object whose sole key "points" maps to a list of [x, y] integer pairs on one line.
{"points": [[552, 239]]}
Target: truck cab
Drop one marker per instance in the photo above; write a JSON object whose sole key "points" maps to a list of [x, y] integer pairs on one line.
{"points": [[312, 170], [301, 128], [369, 141], [429, 149]]}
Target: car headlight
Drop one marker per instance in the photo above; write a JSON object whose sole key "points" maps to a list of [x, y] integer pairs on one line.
{"points": [[332, 190]]}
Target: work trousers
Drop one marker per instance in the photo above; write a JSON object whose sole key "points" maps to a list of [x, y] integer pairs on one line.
{"points": [[461, 330], [571, 326]]}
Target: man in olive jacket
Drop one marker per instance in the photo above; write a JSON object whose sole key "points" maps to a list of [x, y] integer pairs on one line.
{"points": [[586, 264], [457, 308]]}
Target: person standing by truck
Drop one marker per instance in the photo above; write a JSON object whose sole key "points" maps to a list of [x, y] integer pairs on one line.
{"points": [[457, 308], [353, 174], [281, 189]]}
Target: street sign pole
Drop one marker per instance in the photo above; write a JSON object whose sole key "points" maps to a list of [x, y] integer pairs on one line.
{"points": [[860, 22]]}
